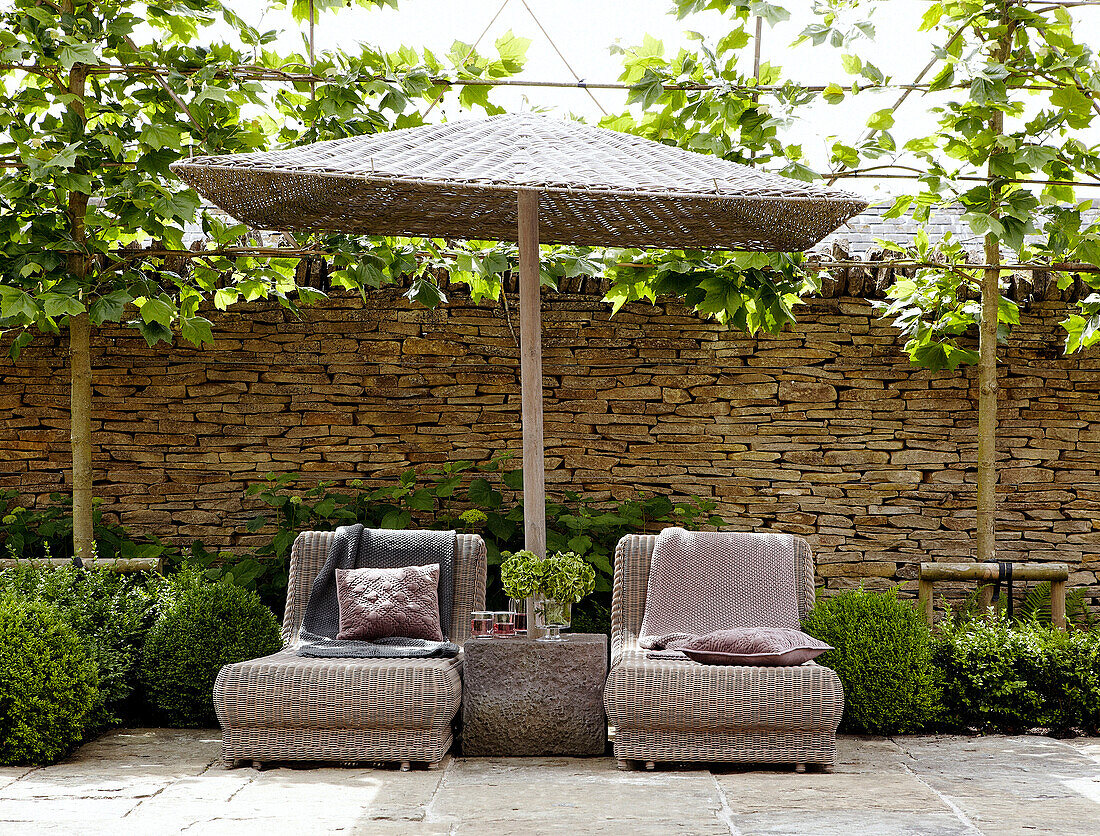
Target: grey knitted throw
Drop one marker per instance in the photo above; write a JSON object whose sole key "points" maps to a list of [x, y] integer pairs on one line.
{"points": [[357, 547]]}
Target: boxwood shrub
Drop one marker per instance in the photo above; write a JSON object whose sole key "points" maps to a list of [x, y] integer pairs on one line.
{"points": [[202, 627], [110, 612], [48, 683], [1005, 677], [883, 656]]}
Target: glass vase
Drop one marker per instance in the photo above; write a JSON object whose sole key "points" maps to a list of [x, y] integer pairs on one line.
{"points": [[553, 616]]}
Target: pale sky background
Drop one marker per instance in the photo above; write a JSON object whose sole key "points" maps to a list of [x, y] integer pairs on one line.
{"points": [[585, 29]]}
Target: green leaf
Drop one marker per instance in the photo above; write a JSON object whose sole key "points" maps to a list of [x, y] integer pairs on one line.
{"points": [[421, 500], [60, 304], [771, 13], [1008, 311], [512, 51], [881, 120], [224, 297], [19, 343], [833, 93], [155, 332], [931, 17], [1077, 104], [196, 330], [77, 53], [17, 305], [160, 135], [157, 310], [943, 79], [852, 64], [109, 307]]}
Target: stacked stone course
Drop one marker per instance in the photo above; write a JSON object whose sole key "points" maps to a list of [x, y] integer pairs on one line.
{"points": [[825, 430]]}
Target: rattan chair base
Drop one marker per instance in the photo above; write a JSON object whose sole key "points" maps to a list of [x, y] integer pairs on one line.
{"points": [[286, 707], [734, 747], [345, 745], [678, 710]]}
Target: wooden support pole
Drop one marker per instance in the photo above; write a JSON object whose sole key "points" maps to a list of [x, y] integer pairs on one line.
{"points": [[530, 359], [1058, 604], [925, 597], [530, 365]]}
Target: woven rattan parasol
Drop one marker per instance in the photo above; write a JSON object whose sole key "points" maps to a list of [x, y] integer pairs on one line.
{"points": [[522, 177]]}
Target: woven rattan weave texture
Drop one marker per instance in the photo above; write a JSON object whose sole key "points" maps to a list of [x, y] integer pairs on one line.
{"points": [[678, 710], [459, 179], [289, 707]]}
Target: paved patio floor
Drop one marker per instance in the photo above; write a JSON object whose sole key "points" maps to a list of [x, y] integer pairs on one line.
{"points": [[153, 781]]}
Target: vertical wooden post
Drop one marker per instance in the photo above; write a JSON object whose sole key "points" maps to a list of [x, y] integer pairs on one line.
{"points": [[1058, 604], [530, 365], [925, 597]]}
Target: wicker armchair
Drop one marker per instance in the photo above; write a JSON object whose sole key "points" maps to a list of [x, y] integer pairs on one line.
{"points": [[294, 708], [679, 710]]}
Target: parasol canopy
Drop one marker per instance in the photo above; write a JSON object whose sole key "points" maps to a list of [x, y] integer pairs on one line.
{"points": [[596, 187], [522, 177]]}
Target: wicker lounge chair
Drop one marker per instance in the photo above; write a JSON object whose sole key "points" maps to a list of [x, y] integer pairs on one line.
{"points": [[286, 707], [679, 710]]}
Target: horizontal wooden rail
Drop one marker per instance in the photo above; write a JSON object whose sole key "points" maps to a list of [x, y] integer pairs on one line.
{"points": [[121, 566], [1056, 573]]}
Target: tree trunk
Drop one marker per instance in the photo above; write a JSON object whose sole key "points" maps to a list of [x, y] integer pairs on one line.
{"points": [[987, 350], [80, 354]]}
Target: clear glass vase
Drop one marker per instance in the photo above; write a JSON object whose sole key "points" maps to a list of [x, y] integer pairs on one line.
{"points": [[553, 616]]}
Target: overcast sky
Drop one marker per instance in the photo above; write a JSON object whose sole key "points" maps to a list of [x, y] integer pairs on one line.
{"points": [[585, 29]]}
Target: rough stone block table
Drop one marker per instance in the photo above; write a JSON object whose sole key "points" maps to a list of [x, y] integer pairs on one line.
{"points": [[526, 698]]}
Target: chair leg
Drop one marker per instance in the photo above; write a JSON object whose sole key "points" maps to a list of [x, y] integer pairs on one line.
{"points": [[406, 766], [650, 765], [827, 768], [624, 764], [800, 768], [231, 763], [259, 766]]}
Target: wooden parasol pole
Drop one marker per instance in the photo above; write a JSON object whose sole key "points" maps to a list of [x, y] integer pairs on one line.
{"points": [[530, 375]]}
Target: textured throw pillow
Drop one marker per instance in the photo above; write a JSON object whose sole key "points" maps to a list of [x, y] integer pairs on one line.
{"points": [[773, 646], [379, 603]]}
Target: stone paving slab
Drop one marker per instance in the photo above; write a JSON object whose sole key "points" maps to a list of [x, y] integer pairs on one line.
{"points": [[156, 781]]}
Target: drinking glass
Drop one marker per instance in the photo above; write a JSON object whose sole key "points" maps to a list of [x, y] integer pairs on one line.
{"points": [[481, 625], [504, 624], [518, 606]]}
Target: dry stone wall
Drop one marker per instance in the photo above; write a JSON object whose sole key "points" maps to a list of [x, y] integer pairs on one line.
{"points": [[825, 431]]}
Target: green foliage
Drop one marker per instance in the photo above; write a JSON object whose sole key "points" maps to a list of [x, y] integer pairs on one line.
{"points": [[438, 497], [1008, 678], [203, 627], [937, 306], [1030, 91], [883, 656], [48, 689], [563, 576], [521, 574], [80, 117], [110, 612], [36, 533]]}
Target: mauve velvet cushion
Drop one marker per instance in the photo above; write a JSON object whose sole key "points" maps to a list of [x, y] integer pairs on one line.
{"points": [[379, 603], [773, 646]]}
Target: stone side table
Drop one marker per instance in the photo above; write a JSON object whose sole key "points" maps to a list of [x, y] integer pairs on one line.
{"points": [[526, 698]]}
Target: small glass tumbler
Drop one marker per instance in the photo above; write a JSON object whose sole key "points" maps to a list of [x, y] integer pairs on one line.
{"points": [[481, 625], [518, 606], [504, 624]]}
